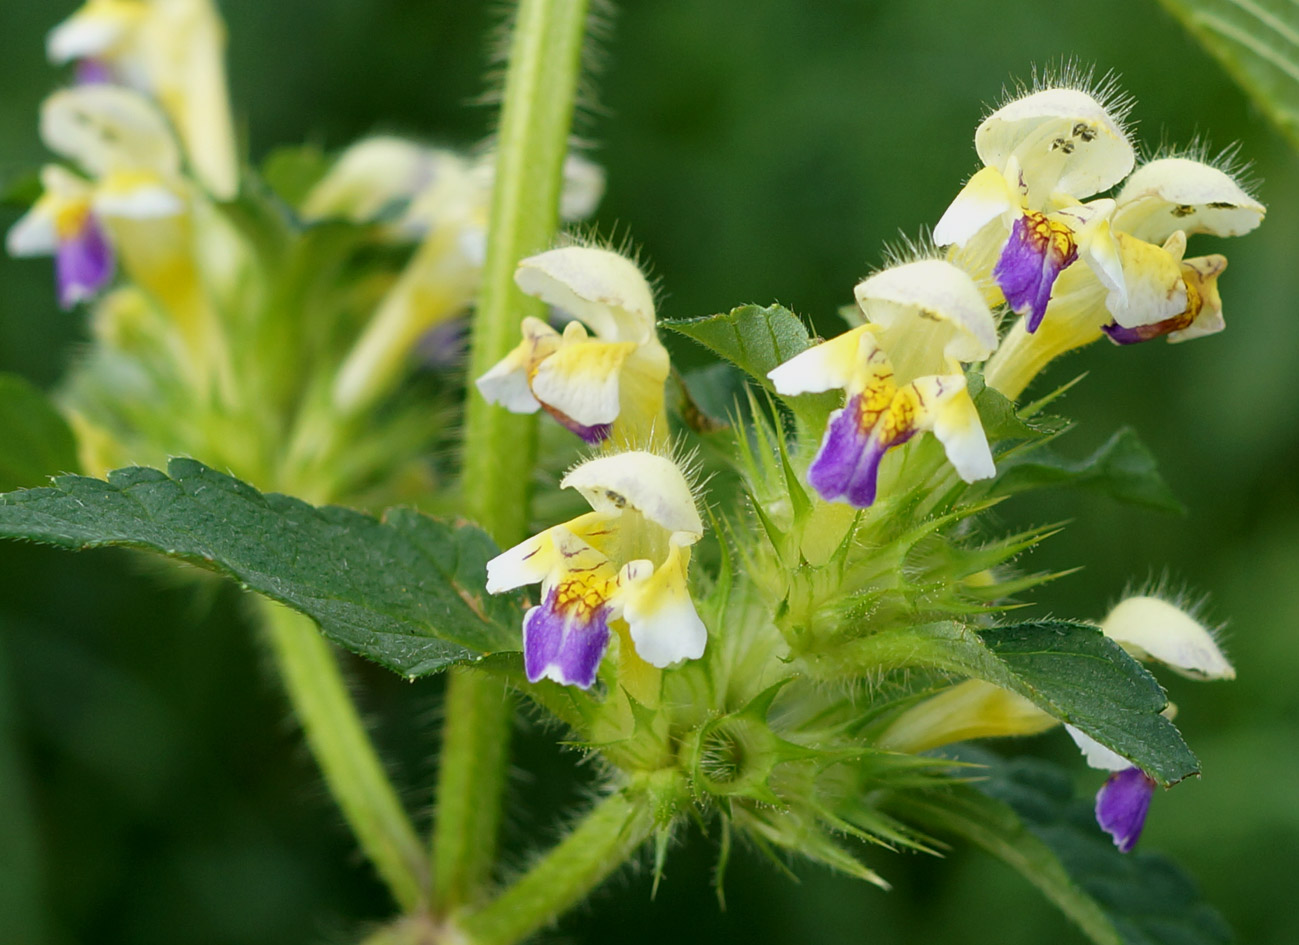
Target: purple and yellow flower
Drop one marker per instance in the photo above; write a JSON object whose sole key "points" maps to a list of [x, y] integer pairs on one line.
{"points": [[620, 568], [1164, 293], [602, 376], [172, 51], [1042, 154], [902, 375]]}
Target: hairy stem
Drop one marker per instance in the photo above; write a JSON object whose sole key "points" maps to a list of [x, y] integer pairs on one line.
{"points": [[499, 447], [346, 755], [600, 843]]}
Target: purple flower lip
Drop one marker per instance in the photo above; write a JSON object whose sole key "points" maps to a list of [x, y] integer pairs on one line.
{"points": [[1037, 251], [847, 465], [83, 264], [594, 433], [564, 644], [94, 72], [1121, 806]]}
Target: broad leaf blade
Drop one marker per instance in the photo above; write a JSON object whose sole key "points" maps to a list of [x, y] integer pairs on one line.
{"points": [[407, 592], [1257, 42], [1122, 468], [1071, 671], [35, 441], [1024, 813]]}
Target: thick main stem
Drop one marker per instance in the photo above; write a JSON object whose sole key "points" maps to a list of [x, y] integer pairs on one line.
{"points": [[346, 756], [499, 447]]}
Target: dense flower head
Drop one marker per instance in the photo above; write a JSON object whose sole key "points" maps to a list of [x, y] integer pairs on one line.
{"points": [[901, 373], [602, 376], [619, 568]]}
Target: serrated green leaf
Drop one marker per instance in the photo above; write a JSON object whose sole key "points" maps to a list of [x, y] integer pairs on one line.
{"points": [[1257, 42], [1072, 671], [1123, 468], [753, 338], [1024, 813], [35, 440], [407, 592]]}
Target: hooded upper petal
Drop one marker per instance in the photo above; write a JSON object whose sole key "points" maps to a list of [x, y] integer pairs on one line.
{"points": [[929, 303], [652, 484], [1151, 628], [1173, 194], [106, 128], [596, 286], [1062, 139]]}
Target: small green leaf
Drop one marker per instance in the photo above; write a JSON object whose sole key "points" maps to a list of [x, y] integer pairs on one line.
{"points": [[1070, 670], [1257, 42], [407, 592], [1123, 468], [756, 340], [752, 338], [1024, 813], [35, 441]]}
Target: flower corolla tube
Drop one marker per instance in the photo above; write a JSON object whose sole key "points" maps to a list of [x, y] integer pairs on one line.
{"points": [[619, 568]]}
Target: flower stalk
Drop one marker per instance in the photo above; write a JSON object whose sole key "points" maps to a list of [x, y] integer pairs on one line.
{"points": [[541, 83]]}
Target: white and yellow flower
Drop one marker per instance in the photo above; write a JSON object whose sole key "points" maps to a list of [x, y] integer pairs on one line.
{"points": [[1042, 154], [620, 568], [171, 50], [601, 377], [902, 374], [1165, 294]]}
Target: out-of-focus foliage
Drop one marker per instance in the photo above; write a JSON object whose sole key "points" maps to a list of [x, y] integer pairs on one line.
{"points": [[759, 153], [1257, 41]]}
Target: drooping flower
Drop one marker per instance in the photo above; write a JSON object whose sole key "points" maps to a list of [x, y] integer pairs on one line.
{"points": [[1149, 628], [1042, 154], [902, 375], [620, 568], [1164, 294], [171, 50], [602, 377]]}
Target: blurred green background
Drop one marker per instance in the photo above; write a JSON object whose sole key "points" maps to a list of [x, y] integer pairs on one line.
{"points": [[152, 786]]}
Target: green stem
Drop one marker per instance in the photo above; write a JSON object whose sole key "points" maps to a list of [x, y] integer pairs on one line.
{"points": [[500, 447], [600, 843], [475, 752], [346, 755]]}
